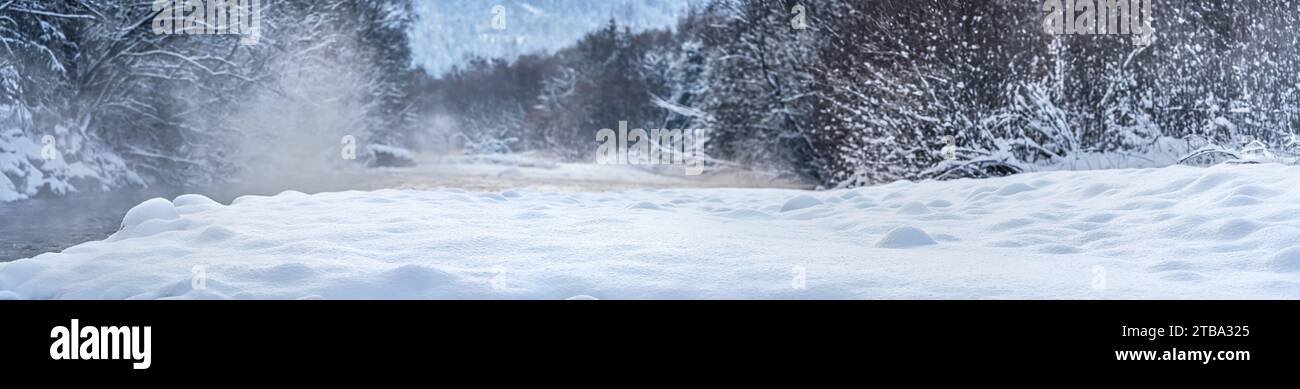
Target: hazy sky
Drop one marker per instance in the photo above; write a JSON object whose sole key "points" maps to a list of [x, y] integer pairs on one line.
{"points": [[449, 31]]}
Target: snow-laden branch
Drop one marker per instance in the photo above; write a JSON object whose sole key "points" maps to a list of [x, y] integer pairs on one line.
{"points": [[192, 61], [50, 14]]}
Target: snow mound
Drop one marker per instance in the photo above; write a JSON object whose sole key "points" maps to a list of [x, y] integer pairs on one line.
{"points": [[1173, 233], [152, 217], [1014, 189], [914, 208], [905, 237], [645, 205], [800, 202], [152, 209], [194, 200], [1287, 261]]}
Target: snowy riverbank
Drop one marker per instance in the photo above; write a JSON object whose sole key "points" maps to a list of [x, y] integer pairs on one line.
{"points": [[1179, 232]]}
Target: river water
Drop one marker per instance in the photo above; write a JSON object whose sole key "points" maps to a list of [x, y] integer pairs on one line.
{"points": [[52, 224]]}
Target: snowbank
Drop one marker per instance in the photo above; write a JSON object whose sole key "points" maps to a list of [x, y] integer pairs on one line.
{"points": [[56, 164], [1179, 232], [389, 156]]}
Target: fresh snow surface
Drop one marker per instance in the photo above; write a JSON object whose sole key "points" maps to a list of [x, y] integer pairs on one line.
{"points": [[1179, 232]]}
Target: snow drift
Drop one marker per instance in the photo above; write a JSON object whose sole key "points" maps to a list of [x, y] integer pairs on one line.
{"points": [[1178, 232]]}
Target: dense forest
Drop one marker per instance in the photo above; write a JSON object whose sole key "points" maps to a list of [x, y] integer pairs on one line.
{"points": [[843, 93]]}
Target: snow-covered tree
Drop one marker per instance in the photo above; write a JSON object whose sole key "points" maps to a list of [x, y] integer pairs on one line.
{"points": [[761, 96]]}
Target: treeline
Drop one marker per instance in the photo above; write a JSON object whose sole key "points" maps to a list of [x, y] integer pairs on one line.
{"points": [[863, 92], [839, 92]]}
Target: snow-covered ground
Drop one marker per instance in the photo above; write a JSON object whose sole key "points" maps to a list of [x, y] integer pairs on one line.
{"points": [[1179, 233]]}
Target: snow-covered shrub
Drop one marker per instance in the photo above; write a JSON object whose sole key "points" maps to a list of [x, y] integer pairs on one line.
{"points": [[761, 94]]}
